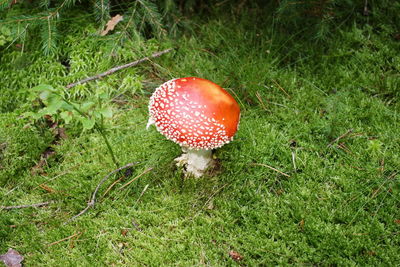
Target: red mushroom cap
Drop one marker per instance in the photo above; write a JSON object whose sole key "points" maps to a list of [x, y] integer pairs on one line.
{"points": [[194, 113]]}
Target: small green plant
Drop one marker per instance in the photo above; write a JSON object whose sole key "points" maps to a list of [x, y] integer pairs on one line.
{"points": [[5, 35], [90, 114]]}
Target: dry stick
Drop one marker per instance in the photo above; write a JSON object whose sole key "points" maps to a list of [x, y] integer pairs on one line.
{"points": [[366, 11], [134, 179], [26, 206], [36, 205], [264, 107], [111, 186], [141, 194], [93, 200], [64, 239], [110, 71], [281, 88], [294, 160], [55, 177], [272, 168], [340, 137]]}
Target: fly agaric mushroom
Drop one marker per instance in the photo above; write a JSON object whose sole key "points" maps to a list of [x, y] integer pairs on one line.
{"points": [[198, 115]]}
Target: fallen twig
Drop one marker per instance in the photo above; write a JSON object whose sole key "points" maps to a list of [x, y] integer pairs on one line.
{"points": [[281, 88], [55, 177], [110, 71], [272, 168], [134, 179], [263, 106], [64, 239], [112, 185], [294, 160], [141, 194], [36, 205], [340, 137], [93, 199]]}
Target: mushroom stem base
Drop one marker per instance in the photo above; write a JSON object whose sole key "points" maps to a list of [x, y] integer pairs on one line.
{"points": [[195, 161]]}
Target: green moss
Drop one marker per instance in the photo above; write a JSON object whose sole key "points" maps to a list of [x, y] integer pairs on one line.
{"points": [[21, 146], [338, 207]]}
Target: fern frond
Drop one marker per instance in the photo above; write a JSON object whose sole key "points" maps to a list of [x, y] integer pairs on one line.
{"points": [[102, 10], [49, 37], [44, 4], [4, 4], [168, 7], [36, 18], [189, 5], [151, 15], [68, 3]]}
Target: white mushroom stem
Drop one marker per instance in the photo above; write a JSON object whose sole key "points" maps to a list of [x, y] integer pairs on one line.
{"points": [[150, 122], [196, 161]]}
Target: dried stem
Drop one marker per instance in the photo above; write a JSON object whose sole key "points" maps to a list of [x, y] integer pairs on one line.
{"points": [[135, 178], [36, 205], [64, 239], [340, 137], [92, 202], [110, 71], [272, 168]]}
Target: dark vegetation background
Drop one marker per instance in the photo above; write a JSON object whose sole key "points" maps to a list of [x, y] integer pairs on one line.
{"points": [[316, 80]]}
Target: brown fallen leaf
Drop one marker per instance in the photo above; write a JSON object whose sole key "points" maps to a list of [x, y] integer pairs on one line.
{"points": [[397, 221], [124, 232], [61, 133], [301, 225], [370, 253], [12, 258], [38, 168], [111, 24], [235, 255]]}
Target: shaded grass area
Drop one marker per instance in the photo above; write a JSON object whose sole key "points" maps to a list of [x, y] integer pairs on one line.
{"points": [[340, 204]]}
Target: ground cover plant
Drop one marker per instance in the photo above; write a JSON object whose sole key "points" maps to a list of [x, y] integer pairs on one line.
{"points": [[322, 112]]}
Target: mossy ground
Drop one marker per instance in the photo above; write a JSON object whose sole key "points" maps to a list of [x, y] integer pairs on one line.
{"points": [[340, 205]]}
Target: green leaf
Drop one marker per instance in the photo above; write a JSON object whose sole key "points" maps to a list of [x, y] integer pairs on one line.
{"points": [[107, 112], [67, 106], [44, 95], [67, 116], [32, 115], [103, 95], [43, 87], [5, 30], [55, 103], [85, 106], [87, 123], [44, 111]]}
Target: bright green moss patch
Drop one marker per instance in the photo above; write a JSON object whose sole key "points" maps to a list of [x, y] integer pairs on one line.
{"points": [[21, 146], [325, 115]]}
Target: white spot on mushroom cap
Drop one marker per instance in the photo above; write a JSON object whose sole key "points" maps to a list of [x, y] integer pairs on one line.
{"points": [[185, 123]]}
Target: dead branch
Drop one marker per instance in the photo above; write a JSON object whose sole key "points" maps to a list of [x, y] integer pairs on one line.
{"points": [[64, 239], [340, 137], [93, 199], [110, 71], [281, 88], [272, 168], [36, 205], [134, 179], [141, 194]]}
